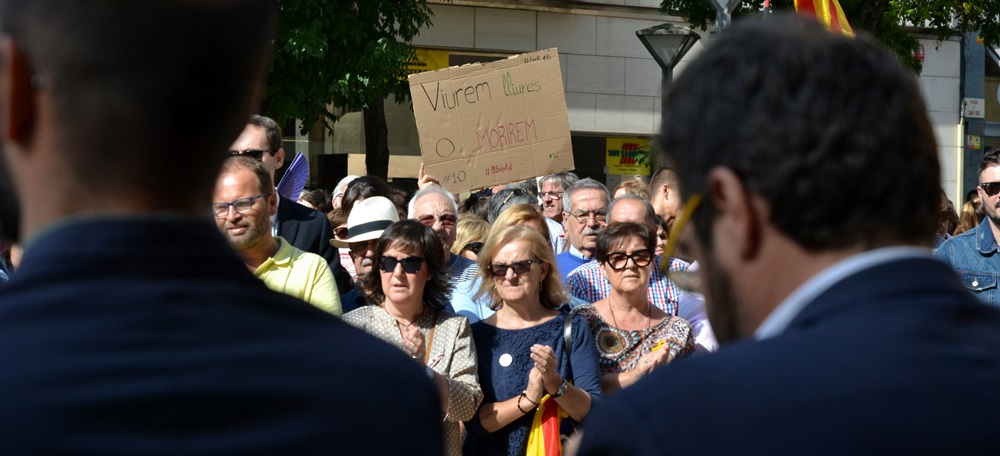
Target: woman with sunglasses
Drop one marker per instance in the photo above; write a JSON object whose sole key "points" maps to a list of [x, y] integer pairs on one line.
{"points": [[409, 292], [522, 348], [633, 336], [470, 235]]}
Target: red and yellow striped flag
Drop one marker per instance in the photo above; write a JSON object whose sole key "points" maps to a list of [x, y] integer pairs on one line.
{"points": [[827, 12]]}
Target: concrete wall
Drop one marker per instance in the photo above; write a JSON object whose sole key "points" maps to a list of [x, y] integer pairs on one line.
{"points": [[939, 82]]}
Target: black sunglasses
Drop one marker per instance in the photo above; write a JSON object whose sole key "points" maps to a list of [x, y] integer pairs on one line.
{"points": [[519, 267], [991, 188], [410, 264], [257, 154], [618, 260], [476, 247]]}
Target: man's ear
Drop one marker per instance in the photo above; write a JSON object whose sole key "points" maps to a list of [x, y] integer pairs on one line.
{"points": [[272, 202], [737, 221], [17, 105], [279, 158], [666, 191]]}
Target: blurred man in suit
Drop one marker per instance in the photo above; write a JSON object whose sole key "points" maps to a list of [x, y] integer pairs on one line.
{"points": [[131, 326], [811, 176]]}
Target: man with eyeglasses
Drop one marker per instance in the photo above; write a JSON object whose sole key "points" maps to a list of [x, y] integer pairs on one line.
{"points": [[369, 218], [243, 205], [585, 214], [812, 216], [435, 207], [303, 227], [551, 190], [975, 254]]}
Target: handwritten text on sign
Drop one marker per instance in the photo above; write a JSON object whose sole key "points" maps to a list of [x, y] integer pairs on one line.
{"points": [[487, 124]]}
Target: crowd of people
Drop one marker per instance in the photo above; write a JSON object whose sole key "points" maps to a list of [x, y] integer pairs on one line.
{"points": [[794, 225]]}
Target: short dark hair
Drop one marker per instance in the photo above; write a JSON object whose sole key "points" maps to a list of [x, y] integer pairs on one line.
{"points": [[319, 199], [662, 176], [991, 157], [271, 130], [413, 236], [506, 198], [237, 162], [795, 121], [617, 233], [362, 188], [134, 84]]}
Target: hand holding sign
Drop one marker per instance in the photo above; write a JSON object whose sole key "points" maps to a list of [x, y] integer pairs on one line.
{"points": [[487, 124]]}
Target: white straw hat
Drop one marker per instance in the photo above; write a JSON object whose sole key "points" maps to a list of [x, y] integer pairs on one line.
{"points": [[368, 219]]}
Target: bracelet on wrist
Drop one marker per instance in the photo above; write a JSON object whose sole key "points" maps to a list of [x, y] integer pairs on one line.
{"points": [[523, 411], [525, 394]]}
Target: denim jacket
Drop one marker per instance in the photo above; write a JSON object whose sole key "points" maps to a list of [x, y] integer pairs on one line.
{"points": [[974, 256]]}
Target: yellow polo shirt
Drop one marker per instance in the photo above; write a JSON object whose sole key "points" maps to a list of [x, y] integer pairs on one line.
{"points": [[303, 275]]}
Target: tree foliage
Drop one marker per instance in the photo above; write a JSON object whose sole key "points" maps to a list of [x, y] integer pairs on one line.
{"points": [[885, 19], [351, 53]]}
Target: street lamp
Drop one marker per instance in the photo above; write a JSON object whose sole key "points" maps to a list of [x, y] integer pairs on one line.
{"points": [[724, 11], [668, 43]]}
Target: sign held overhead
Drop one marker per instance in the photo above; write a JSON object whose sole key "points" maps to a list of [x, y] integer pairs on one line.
{"points": [[487, 124]]}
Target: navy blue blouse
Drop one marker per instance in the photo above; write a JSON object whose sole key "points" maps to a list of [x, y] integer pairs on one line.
{"points": [[504, 363]]}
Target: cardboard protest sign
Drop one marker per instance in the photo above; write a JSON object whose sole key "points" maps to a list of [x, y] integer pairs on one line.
{"points": [[491, 123]]}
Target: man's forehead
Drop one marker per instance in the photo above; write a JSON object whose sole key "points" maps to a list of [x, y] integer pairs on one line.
{"points": [[551, 185], [590, 197], [431, 204]]}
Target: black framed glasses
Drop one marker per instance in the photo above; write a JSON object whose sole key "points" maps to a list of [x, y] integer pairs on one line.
{"points": [[476, 247], [257, 154], [445, 219], [242, 205], [685, 280], [990, 188], [410, 264], [519, 267], [619, 260], [600, 216], [340, 232]]}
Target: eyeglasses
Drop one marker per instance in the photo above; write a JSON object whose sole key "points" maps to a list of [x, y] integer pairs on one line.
{"points": [[553, 195], [600, 216], [990, 188], [445, 219], [476, 247], [685, 280], [242, 205], [341, 232], [619, 260], [257, 154], [519, 267], [410, 264]]}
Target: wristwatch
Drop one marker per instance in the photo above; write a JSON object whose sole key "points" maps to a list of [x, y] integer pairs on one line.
{"points": [[562, 389]]}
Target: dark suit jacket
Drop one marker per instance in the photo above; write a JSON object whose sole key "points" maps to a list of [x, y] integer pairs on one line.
{"points": [[152, 337], [309, 230], [897, 359]]}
